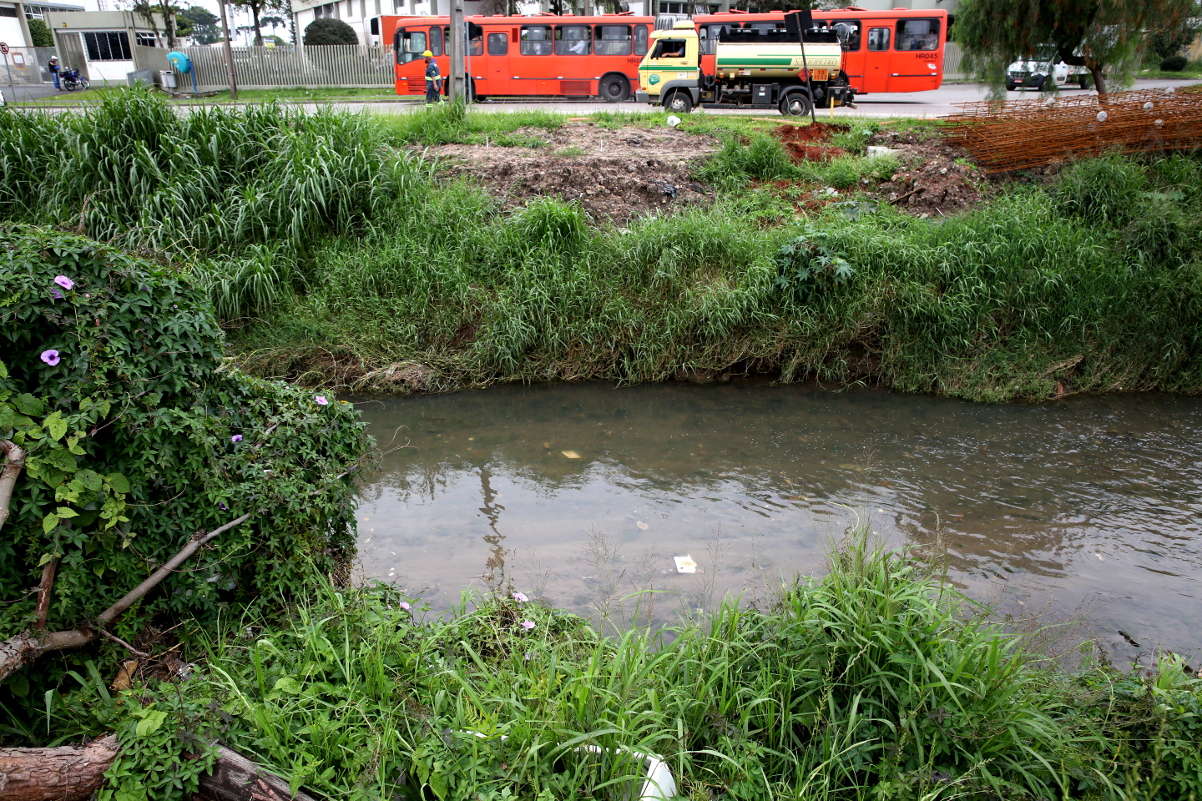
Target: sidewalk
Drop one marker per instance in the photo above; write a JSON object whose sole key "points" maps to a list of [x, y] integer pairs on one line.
{"points": [[21, 93]]}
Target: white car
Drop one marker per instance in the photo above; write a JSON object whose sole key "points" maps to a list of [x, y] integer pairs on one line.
{"points": [[1036, 73]]}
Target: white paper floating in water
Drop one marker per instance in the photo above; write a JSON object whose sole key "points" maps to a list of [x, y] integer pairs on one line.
{"points": [[1102, 115], [1168, 90], [685, 564], [1158, 123], [1051, 101], [1148, 106], [673, 121], [641, 525], [571, 454]]}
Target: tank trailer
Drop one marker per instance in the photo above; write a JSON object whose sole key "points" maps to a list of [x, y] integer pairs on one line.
{"points": [[746, 68]]}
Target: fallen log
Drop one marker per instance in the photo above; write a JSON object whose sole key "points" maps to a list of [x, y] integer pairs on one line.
{"points": [[69, 773], [74, 773]]}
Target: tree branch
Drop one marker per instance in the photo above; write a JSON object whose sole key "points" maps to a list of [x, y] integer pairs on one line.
{"points": [[15, 460], [17, 652], [44, 588]]}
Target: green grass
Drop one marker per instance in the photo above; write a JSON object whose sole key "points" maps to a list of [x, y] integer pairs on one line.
{"points": [[335, 255], [874, 681]]}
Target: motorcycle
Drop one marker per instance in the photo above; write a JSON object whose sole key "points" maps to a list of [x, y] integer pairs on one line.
{"points": [[72, 80]]}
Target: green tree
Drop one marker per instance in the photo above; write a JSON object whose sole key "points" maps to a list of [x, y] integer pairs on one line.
{"points": [[204, 25], [257, 9], [327, 31], [1100, 35], [40, 34]]}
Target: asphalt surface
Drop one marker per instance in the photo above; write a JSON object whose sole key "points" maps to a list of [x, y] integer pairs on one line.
{"points": [[937, 103]]}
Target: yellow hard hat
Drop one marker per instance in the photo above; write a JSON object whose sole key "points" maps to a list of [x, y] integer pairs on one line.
{"points": [[427, 54]]}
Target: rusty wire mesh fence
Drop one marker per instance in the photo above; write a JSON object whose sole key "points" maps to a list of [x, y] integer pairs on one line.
{"points": [[1016, 135]]}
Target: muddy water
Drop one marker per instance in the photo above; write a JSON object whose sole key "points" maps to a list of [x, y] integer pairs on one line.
{"points": [[584, 494]]}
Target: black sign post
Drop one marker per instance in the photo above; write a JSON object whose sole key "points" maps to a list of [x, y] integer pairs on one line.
{"points": [[799, 22]]}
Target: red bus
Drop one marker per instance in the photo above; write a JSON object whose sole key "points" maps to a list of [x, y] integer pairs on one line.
{"points": [[884, 51], [544, 55]]}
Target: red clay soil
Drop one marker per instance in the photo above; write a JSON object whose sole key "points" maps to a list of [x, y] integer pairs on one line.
{"points": [[809, 143]]}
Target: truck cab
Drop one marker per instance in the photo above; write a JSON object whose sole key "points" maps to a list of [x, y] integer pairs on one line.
{"points": [[670, 72]]}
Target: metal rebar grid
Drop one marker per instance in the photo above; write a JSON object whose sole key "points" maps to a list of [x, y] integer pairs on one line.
{"points": [[1015, 135]]}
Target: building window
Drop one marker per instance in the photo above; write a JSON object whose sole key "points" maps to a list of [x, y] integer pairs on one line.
{"points": [[8, 11], [107, 46], [147, 40]]}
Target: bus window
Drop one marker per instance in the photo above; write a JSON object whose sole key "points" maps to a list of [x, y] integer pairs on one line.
{"points": [[536, 40], [878, 39], [848, 31], [498, 44], [572, 40], [640, 40], [764, 27], [475, 46], [918, 34], [613, 40], [409, 45], [436, 41]]}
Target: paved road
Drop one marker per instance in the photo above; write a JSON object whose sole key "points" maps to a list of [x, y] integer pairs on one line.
{"points": [[937, 103]]}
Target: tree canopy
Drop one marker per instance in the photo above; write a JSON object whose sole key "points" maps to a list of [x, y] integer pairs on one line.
{"points": [[203, 25], [328, 31], [1102, 35]]}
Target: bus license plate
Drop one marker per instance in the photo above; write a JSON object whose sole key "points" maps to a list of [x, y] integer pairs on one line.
{"points": [[820, 75]]}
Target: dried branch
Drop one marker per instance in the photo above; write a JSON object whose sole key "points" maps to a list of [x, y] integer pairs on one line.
{"points": [[14, 461]]}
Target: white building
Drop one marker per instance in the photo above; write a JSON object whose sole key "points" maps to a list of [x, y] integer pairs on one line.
{"points": [[101, 44], [15, 16]]}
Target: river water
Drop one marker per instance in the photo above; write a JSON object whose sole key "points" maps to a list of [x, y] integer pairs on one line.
{"points": [[583, 495]]}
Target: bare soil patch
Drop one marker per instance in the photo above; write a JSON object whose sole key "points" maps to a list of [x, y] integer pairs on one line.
{"points": [[615, 174], [937, 178], [810, 142]]}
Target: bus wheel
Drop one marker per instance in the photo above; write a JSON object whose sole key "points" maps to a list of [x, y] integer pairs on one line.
{"points": [[795, 104], [614, 88], [679, 103]]}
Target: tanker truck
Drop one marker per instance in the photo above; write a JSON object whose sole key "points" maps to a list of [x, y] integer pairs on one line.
{"points": [[744, 68]]}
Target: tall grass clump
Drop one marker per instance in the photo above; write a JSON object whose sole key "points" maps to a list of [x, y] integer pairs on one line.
{"points": [[132, 172], [874, 681]]}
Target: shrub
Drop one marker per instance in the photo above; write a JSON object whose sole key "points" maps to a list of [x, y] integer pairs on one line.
{"points": [[40, 34], [139, 437], [328, 31], [1174, 64]]}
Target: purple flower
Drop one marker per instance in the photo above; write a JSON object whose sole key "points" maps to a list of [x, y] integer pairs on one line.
{"points": [[222, 505], [174, 306], [527, 624], [54, 293], [529, 655], [236, 438], [50, 357], [64, 282], [321, 400], [404, 605], [520, 597]]}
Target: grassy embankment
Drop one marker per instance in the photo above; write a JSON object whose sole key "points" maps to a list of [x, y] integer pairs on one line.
{"points": [[337, 258], [874, 682]]}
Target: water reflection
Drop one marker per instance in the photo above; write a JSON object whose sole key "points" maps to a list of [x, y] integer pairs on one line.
{"points": [[1092, 500]]}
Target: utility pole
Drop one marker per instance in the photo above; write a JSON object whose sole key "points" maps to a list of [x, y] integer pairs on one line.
{"points": [[229, 54], [456, 89]]}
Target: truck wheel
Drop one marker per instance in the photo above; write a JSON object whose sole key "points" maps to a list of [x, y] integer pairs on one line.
{"points": [[1083, 82], [795, 104], [679, 103], [1011, 86], [614, 88]]}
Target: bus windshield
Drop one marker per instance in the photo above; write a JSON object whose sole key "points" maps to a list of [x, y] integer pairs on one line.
{"points": [[410, 45]]}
